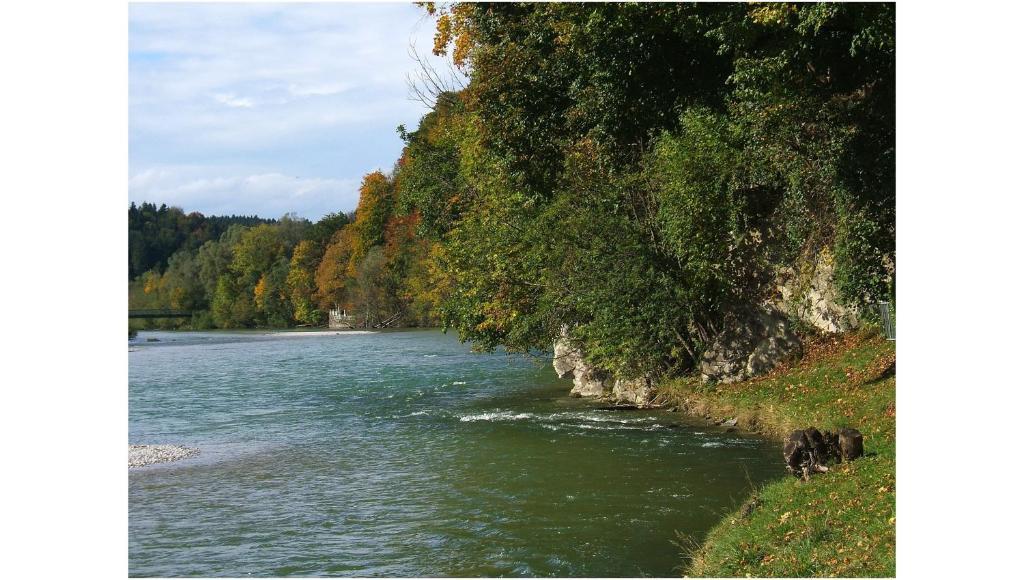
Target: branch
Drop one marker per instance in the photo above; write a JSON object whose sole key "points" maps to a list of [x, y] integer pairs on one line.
{"points": [[426, 84]]}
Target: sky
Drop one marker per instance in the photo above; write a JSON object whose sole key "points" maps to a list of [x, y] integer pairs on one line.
{"points": [[268, 108]]}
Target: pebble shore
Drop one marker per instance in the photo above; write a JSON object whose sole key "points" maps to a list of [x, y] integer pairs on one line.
{"points": [[142, 455]]}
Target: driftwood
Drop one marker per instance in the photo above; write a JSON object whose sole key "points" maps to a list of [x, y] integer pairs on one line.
{"points": [[808, 451]]}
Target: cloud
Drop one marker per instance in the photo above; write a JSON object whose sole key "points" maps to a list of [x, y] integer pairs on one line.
{"points": [[219, 191], [233, 101], [317, 90], [310, 90]]}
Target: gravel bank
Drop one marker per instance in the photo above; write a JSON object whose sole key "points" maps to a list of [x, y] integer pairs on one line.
{"points": [[141, 455]]}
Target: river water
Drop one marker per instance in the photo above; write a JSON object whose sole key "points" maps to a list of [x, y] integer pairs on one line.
{"points": [[404, 454]]}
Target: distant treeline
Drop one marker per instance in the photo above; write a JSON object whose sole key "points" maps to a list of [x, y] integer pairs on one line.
{"points": [[628, 172], [238, 272], [154, 234]]}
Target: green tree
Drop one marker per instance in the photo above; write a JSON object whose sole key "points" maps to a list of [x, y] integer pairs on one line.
{"points": [[301, 282]]}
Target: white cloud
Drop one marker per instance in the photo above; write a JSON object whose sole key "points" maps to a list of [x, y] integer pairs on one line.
{"points": [[233, 101], [272, 54], [229, 102], [219, 191], [317, 90]]}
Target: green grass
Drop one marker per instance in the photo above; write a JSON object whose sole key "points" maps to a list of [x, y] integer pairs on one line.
{"points": [[841, 523]]}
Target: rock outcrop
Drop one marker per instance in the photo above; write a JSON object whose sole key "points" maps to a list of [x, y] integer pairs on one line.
{"points": [[591, 381], [807, 292], [567, 358], [639, 392], [753, 343]]}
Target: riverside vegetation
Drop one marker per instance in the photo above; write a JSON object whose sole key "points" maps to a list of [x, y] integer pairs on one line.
{"points": [[841, 523], [626, 177]]}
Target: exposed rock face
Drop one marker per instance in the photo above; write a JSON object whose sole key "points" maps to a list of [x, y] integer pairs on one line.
{"points": [[807, 292], [587, 380], [566, 358], [590, 381], [639, 392], [753, 343]]}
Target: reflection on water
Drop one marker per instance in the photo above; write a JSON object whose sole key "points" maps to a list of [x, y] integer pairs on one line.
{"points": [[402, 454]]}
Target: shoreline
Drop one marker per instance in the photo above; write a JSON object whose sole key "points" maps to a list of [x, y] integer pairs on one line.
{"points": [[295, 333], [840, 523]]}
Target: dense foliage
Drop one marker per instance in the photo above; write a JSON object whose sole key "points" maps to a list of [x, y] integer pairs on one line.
{"points": [[286, 272], [630, 173], [154, 234]]}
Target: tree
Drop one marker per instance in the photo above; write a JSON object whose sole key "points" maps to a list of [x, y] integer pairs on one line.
{"points": [[636, 171], [323, 230], [376, 204], [332, 274], [301, 282], [370, 296]]}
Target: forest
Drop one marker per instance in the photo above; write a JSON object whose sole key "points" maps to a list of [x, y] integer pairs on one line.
{"points": [[246, 272], [628, 174]]}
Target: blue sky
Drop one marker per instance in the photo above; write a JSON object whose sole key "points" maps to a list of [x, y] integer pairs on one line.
{"points": [[268, 108]]}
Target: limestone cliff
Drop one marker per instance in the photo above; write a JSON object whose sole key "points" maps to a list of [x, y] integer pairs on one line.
{"points": [[590, 381], [807, 292], [753, 339], [754, 342]]}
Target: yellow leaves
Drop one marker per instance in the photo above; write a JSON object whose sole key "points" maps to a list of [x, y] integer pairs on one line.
{"points": [[178, 297], [152, 283], [443, 36], [772, 14], [430, 7], [260, 290], [785, 517], [453, 26]]}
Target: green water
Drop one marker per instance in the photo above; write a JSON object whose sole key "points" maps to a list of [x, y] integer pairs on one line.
{"points": [[403, 454]]}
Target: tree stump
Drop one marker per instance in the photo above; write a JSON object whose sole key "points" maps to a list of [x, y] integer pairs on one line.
{"points": [[804, 453], [795, 452], [807, 451], [832, 449], [851, 444], [817, 444]]}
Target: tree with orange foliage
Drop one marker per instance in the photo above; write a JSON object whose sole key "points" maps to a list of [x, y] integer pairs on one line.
{"points": [[331, 278]]}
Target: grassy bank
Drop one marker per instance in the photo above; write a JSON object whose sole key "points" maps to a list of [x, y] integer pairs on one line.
{"points": [[841, 523]]}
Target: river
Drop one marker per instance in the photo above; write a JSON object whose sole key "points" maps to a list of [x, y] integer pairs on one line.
{"points": [[404, 454]]}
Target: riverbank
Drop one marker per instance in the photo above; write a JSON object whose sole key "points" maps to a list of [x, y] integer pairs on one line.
{"points": [[840, 523]]}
